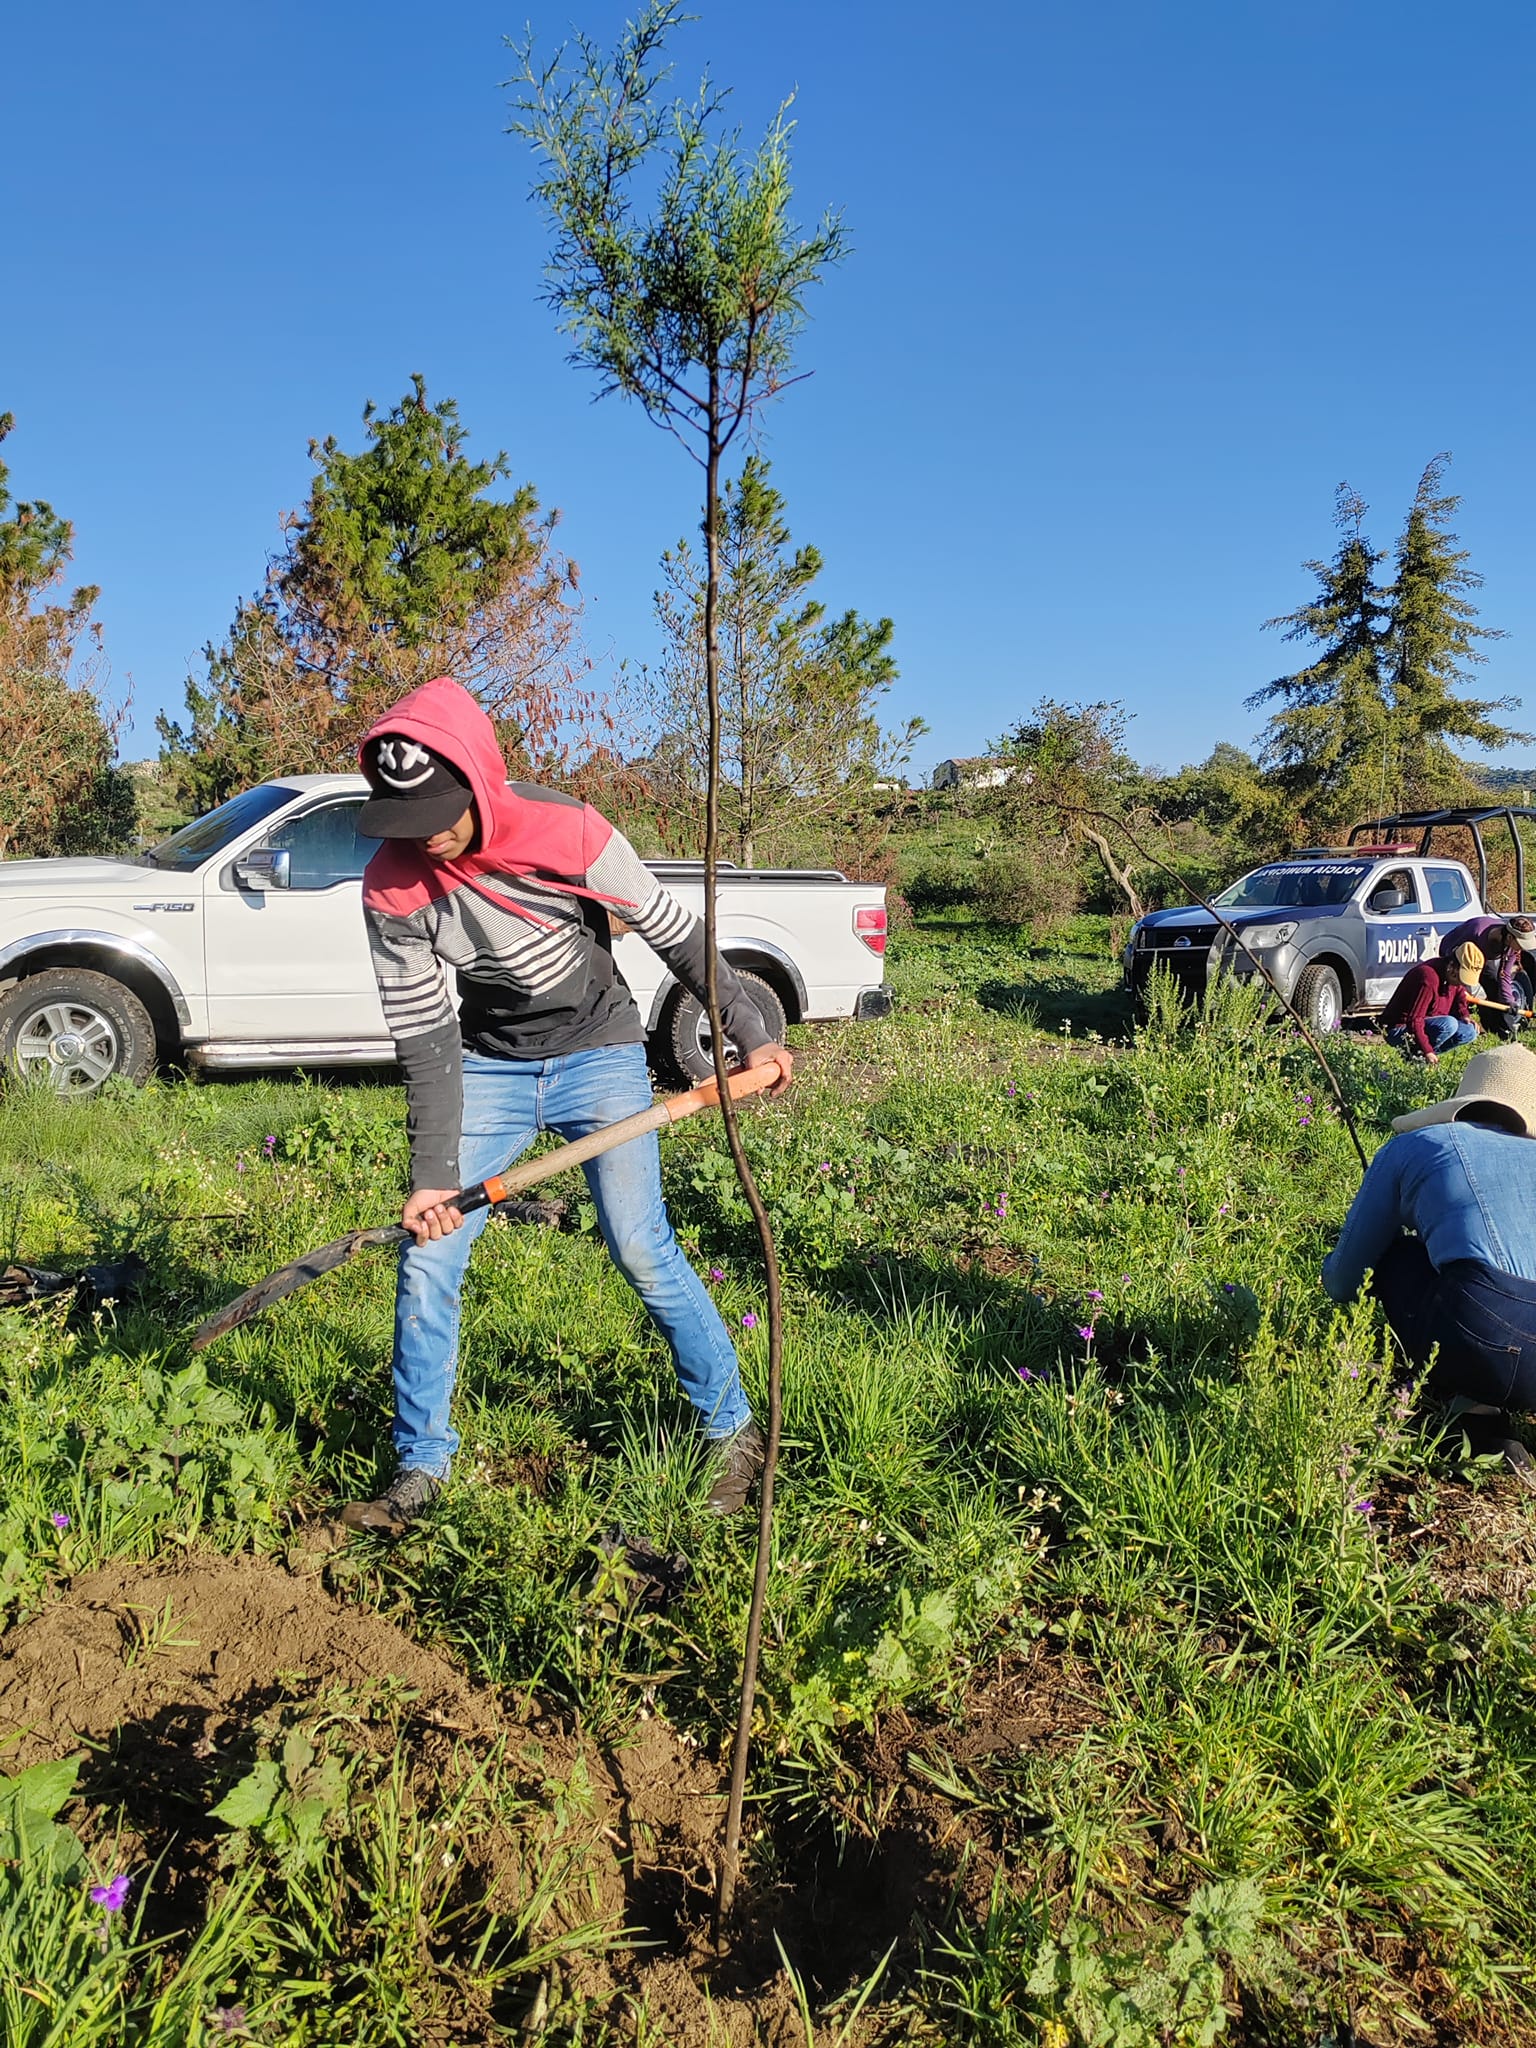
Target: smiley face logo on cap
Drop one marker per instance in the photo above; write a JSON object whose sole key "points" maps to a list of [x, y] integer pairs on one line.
{"points": [[403, 764]]}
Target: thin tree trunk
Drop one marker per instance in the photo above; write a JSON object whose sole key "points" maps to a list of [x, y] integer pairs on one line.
{"points": [[1120, 876], [730, 1858]]}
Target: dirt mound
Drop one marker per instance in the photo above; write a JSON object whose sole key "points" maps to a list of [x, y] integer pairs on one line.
{"points": [[212, 1638]]}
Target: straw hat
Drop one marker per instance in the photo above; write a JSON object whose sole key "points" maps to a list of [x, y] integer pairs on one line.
{"points": [[1504, 1076], [1468, 962]]}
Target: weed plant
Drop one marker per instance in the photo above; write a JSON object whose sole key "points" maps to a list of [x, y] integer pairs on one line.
{"points": [[1065, 1407]]}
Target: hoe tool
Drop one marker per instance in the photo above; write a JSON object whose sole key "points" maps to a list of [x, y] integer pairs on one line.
{"points": [[1488, 1003], [499, 1188]]}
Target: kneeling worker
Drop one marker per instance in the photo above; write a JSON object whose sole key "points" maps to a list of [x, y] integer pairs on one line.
{"points": [[1428, 1013], [1509, 950], [1466, 1282]]}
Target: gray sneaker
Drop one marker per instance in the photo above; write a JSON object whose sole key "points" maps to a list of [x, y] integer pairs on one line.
{"points": [[739, 1459], [409, 1494]]}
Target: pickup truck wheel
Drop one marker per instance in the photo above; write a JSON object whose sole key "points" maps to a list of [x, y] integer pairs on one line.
{"points": [[73, 1029], [686, 1041], [1319, 998]]}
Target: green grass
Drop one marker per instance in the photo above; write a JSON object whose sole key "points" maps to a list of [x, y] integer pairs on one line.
{"points": [[1302, 1785]]}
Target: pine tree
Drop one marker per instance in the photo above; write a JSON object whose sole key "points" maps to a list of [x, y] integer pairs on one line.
{"points": [[63, 791], [799, 735], [1432, 645], [399, 568], [1330, 745]]}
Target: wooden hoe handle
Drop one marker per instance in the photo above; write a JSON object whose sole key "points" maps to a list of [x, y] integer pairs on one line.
{"points": [[746, 1081]]}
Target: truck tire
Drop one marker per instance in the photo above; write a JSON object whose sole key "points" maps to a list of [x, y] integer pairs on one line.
{"points": [[73, 1029], [1319, 998], [1498, 1023], [684, 1037]]}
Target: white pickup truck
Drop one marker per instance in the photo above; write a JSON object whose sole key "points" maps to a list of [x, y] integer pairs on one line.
{"points": [[239, 943]]}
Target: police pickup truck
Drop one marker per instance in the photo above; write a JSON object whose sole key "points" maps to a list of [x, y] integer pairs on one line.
{"points": [[1336, 927]]}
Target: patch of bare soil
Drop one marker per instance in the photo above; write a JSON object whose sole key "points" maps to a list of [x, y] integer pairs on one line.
{"points": [[996, 1261], [1479, 1541]]}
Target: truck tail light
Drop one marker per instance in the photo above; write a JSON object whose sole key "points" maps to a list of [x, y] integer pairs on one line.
{"points": [[869, 924]]}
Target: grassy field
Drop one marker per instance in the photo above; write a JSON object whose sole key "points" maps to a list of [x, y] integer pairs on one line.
{"points": [[1140, 1667]]}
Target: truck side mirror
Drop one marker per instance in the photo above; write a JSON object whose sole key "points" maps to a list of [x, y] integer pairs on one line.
{"points": [[263, 868], [1388, 899]]}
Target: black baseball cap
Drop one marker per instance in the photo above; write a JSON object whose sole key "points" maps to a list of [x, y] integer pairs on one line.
{"points": [[416, 793]]}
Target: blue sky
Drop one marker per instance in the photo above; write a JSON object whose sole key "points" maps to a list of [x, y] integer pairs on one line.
{"points": [[1131, 290]]}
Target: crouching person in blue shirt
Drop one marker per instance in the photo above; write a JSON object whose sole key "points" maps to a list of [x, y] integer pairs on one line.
{"points": [[1459, 1178]]}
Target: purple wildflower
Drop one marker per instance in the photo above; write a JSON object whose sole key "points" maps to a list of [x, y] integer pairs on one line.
{"points": [[1182, 1171], [1095, 1294], [112, 1897], [1010, 1089], [240, 1163], [230, 2019], [1306, 1119], [1125, 1279], [1229, 1287], [269, 1144], [1354, 1372], [717, 1272], [825, 1166], [1364, 1507], [1085, 1331], [749, 1321], [59, 1519], [1024, 1372], [1223, 1209]]}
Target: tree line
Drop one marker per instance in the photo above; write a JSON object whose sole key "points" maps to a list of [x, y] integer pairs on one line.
{"points": [[410, 558]]}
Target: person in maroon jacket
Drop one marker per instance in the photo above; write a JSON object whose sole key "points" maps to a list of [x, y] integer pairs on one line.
{"points": [[1428, 1012]]}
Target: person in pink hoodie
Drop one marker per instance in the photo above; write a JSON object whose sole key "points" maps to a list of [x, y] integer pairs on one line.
{"points": [[509, 886]]}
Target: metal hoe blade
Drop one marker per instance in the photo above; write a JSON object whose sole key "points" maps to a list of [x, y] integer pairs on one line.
{"points": [[289, 1279]]}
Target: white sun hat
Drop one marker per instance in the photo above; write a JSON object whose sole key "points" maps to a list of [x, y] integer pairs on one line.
{"points": [[1503, 1078]]}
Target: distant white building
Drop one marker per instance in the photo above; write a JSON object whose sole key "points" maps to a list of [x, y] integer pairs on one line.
{"points": [[976, 771]]}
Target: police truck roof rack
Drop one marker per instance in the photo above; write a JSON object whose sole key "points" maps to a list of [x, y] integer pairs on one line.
{"points": [[1473, 817], [1353, 852]]}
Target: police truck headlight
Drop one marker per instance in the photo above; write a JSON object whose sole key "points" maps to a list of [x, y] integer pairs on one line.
{"points": [[1263, 938]]}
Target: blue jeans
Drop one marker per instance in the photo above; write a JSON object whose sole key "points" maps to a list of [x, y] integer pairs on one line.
{"points": [[505, 1103], [1484, 1322], [1445, 1034]]}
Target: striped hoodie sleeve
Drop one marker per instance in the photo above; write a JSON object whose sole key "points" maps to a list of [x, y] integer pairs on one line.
{"points": [[413, 990], [672, 932]]}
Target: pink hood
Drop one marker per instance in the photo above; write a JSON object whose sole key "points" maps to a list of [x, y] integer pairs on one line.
{"points": [[554, 842]]}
